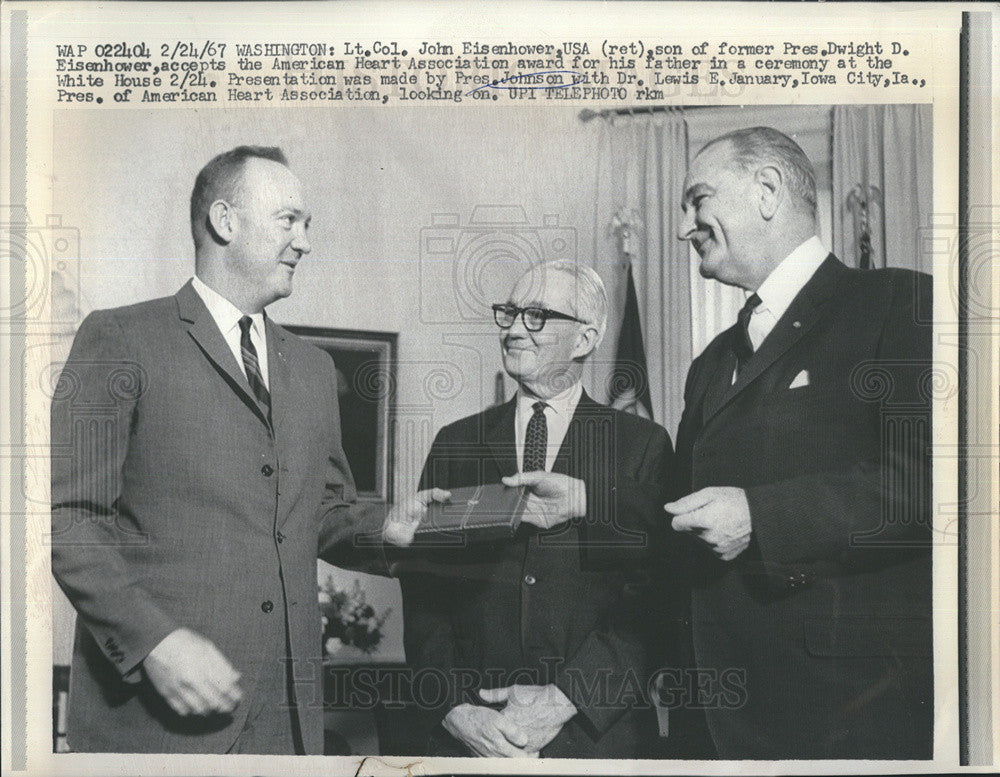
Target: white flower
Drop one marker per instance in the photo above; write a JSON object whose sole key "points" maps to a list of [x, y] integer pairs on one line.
{"points": [[324, 598], [333, 645], [326, 621]]}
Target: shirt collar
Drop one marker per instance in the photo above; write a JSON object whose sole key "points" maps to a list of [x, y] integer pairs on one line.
{"points": [[787, 279], [227, 316], [562, 404]]}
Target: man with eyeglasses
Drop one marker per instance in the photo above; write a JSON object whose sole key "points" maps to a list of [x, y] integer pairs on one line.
{"points": [[543, 638]]}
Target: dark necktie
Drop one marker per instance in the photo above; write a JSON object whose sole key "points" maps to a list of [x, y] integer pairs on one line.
{"points": [[743, 345], [252, 366], [535, 440]]}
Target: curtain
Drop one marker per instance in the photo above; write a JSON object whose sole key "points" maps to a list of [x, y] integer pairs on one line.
{"points": [[641, 165], [882, 193]]}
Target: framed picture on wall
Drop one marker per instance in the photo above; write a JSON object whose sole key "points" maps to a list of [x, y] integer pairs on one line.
{"points": [[366, 383]]}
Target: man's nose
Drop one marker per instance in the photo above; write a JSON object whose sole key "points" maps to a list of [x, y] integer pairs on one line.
{"points": [[686, 225], [301, 241]]}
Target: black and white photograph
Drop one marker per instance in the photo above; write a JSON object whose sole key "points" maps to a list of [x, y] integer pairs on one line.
{"points": [[794, 500], [505, 432]]}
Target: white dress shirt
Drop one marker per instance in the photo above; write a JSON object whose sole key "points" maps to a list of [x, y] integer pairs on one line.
{"points": [[227, 317], [782, 285], [558, 413]]}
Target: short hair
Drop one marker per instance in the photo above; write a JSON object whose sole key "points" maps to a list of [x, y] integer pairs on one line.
{"points": [[758, 146], [590, 300], [220, 179]]}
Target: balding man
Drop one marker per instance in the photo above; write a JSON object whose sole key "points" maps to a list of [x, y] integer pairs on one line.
{"points": [[197, 472], [804, 453], [544, 640]]}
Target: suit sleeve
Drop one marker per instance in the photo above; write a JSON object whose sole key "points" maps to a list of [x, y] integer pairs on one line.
{"points": [[817, 517], [93, 409], [618, 651], [612, 659]]}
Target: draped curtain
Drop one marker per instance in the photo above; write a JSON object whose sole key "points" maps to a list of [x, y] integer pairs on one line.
{"points": [[642, 161], [882, 193]]}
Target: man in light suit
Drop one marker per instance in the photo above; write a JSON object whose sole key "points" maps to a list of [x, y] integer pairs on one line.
{"points": [[197, 472], [544, 641], [804, 453]]}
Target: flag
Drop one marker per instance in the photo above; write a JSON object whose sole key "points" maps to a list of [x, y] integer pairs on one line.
{"points": [[628, 387]]}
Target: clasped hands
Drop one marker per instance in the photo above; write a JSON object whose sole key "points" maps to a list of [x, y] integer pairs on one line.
{"points": [[532, 716], [553, 499]]}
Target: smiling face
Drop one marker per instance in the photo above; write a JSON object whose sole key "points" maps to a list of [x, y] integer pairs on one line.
{"points": [[721, 218], [550, 361], [270, 223]]}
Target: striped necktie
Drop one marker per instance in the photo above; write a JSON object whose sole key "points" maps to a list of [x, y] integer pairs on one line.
{"points": [[252, 365], [536, 440]]}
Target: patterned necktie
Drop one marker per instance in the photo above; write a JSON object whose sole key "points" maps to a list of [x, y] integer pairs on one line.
{"points": [[252, 366], [743, 345], [535, 440]]}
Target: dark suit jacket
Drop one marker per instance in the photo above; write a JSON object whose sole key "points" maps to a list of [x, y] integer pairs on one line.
{"points": [[820, 633], [176, 503], [568, 606]]}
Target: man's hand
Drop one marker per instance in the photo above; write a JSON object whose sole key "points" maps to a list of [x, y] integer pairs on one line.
{"points": [[540, 710], [552, 498], [486, 732], [192, 675], [719, 516], [402, 521]]}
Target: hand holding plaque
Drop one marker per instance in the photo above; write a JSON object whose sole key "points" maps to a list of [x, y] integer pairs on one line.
{"points": [[483, 513], [402, 521], [552, 498]]}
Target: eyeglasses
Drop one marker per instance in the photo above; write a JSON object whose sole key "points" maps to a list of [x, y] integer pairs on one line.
{"points": [[533, 318]]}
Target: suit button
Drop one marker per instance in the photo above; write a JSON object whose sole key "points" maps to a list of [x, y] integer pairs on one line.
{"points": [[529, 580], [280, 537], [267, 606], [267, 470]]}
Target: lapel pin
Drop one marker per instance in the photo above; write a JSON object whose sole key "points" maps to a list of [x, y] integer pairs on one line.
{"points": [[797, 324]]}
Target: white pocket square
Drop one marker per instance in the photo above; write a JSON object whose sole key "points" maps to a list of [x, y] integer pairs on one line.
{"points": [[800, 380]]}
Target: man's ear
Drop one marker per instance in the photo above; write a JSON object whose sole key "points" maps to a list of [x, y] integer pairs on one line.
{"points": [[587, 341], [222, 221], [770, 190]]}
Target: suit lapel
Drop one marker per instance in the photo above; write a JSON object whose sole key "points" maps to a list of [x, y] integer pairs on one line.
{"points": [[564, 461], [579, 437], [501, 440], [278, 373], [205, 332], [720, 378], [801, 316], [587, 452]]}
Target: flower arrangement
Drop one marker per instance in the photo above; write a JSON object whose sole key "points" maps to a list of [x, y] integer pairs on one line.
{"points": [[348, 619]]}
